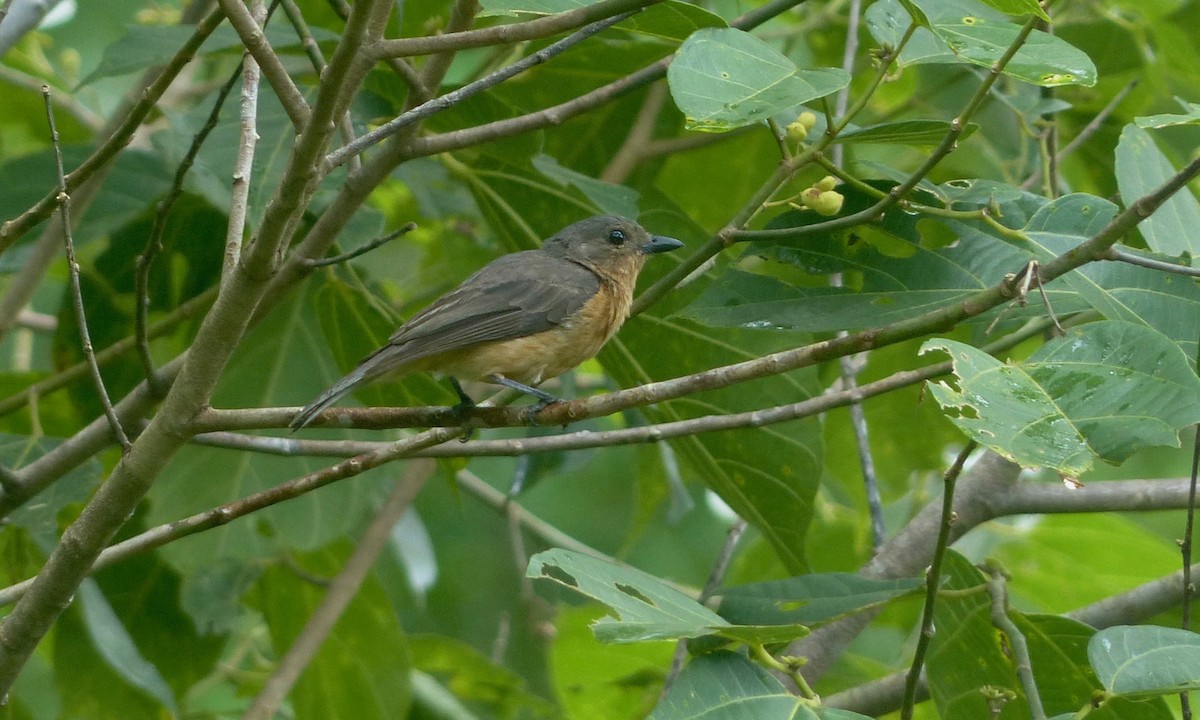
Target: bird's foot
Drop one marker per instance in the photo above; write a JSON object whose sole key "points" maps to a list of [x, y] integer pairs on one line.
{"points": [[463, 411], [544, 398]]}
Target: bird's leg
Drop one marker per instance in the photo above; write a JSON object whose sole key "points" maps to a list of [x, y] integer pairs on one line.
{"points": [[465, 405], [543, 398]]}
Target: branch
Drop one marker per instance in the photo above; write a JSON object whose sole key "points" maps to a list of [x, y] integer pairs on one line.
{"points": [[504, 34], [250, 31], [1022, 665], [450, 99], [89, 353]]}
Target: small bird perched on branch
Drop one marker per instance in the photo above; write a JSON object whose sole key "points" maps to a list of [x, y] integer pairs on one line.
{"points": [[522, 319]]}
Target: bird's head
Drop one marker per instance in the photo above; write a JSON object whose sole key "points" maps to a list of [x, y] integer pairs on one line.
{"points": [[607, 241]]}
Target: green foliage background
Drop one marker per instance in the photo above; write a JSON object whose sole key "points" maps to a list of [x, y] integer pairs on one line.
{"points": [[447, 625]]}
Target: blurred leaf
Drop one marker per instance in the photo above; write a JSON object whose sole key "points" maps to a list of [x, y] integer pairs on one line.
{"points": [[672, 20], [1146, 661], [113, 643], [608, 198], [274, 366], [905, 132], [1190, 117], [361, 670], [613, 681], [1105, 390], [145, 46], [1142, 167], [725, 78], [485, 688], [808, 599]]}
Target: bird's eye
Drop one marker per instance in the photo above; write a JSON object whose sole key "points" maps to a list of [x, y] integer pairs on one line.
{"points": [[616, 237]]}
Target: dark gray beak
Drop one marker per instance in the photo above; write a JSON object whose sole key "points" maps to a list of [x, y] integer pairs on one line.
{"points": [[659, 244]]}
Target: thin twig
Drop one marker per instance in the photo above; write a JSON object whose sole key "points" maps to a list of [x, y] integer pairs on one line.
{"points": [[1185, 551], [341, 591], [502, 34], [1120, 254], [1087, 132], [374, 244], [89, 354], [998, 590], [639, 137], [933, 578], [154, 243], [450, 99]]}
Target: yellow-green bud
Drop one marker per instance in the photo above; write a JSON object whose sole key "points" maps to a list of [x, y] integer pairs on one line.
{"points": [[828, 182], [809, 197], [796, 132], [807, 119], [828, 202]]}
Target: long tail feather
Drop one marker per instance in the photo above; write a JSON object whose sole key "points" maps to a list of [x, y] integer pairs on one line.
{"points": [[339, 390]]}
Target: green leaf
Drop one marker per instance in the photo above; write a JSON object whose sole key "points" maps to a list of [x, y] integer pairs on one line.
{"points": [[362, 669], [723, 79], [892, 276], [609, 198], [1043, 59], [808, 599], [1105, 390], [648, 608], [1019, 7], [283, 361], [1145, 661], [1190, 117], [145, 46], [450, 670], [905, 132], [725, 686], [114, 644], [1142, 167], [969, 31]]}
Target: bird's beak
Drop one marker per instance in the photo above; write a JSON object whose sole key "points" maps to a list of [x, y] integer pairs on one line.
{"points": [[659, 244]]}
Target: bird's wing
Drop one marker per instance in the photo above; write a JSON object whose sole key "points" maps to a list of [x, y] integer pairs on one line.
{"points": [[514, 296]]}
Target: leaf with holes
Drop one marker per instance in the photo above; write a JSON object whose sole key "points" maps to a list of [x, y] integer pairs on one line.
{"points": [[648, 608], [1105, 390]]}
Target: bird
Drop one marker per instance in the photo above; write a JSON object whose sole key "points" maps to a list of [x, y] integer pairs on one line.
{"points": [[522, 319]]}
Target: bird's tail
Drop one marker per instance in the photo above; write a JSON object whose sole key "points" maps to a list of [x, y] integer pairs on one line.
{"points": [[339, 390]]}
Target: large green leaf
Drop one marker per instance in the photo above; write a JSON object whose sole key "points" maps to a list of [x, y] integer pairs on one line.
{"points": [[283, 361], [1165, 302], [1105, 390], [968, 31], [725, 78], [891, 277], [1142, 167], [1146, 661], [1190, 116], [648, 608], [808, 599], [362, 669]]}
